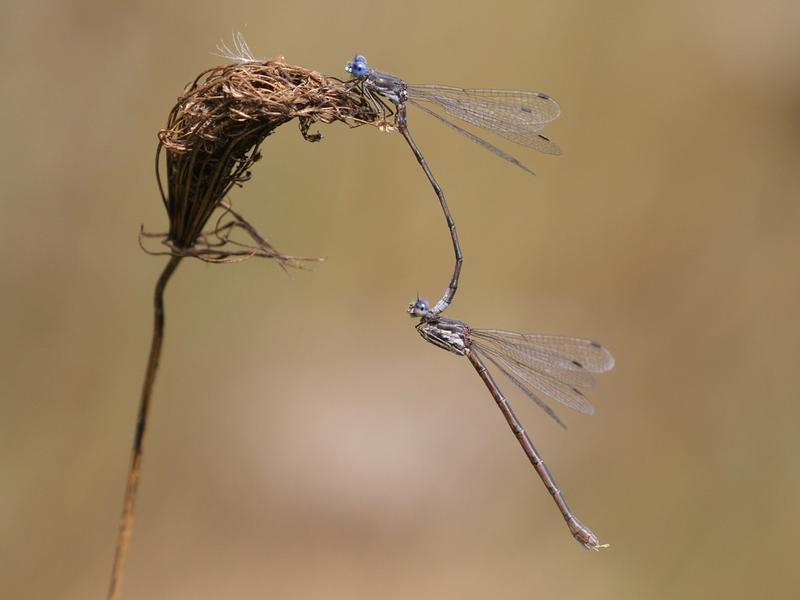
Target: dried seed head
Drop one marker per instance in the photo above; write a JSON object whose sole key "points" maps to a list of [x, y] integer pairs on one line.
{"points": [[212, 139]]}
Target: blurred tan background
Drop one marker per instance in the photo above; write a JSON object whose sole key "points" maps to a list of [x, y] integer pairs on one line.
{"points": [[304, 442]]}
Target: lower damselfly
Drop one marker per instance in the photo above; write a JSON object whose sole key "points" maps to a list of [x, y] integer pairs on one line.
{"points": [[539, 365]]}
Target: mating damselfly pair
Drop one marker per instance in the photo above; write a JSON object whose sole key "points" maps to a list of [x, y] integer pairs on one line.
{"points": [[539, 365]]}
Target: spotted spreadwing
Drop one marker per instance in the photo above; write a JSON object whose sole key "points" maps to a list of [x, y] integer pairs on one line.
{"points": [[539, 365], [517, 116]]}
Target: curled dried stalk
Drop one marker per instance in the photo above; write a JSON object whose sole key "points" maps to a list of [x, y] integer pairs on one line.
{"points": [[212, 139], [214, 132]]}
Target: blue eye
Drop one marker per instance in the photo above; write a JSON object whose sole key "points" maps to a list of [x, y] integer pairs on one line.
{"points": [[419, 308], [357, 66]]}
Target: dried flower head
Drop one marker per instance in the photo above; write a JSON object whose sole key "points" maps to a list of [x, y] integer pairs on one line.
{"points": [[212, 139]]}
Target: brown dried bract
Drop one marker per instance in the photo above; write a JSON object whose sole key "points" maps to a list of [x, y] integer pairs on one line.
{"points": [[212, 139]]}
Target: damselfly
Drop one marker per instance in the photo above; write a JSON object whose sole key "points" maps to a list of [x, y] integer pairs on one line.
{"points": [[515, 115], [539, 365]]}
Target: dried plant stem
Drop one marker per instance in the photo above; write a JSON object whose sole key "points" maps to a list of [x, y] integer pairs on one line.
{"points": [[126, 522], [211, 141]]}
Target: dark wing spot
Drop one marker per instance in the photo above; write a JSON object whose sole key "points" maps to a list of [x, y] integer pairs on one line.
{"points": [[525, 109], [546, 139], [543, 96], [596, 344], [577, 391], [577, 364]]}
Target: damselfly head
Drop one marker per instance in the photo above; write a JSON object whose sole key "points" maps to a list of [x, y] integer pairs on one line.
{"points": [[357, 66], [419, 308]]}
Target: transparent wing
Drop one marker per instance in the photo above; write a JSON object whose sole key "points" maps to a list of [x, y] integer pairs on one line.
{"points": [[562, 352], [541, 361], [490, 147], [528, 109], [515, 115], [526, 389], [529, 379], [552, 365]]}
